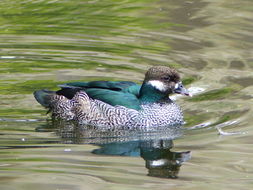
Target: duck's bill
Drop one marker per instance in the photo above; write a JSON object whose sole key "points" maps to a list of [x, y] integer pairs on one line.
{"points": [[180, 89]]}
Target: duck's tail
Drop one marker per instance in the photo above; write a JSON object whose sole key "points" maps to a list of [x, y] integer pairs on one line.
{"points": [[44, 97], [58, 105]]}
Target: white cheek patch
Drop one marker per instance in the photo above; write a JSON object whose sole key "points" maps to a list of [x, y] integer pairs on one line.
{"points": [[177, 85], [158, 85]]}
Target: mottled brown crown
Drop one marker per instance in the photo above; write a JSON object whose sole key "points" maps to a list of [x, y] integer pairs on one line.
{"points": [[162, 73]]}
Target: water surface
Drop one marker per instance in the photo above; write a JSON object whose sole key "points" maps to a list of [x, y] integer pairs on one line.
{"points": [[49, 42]]}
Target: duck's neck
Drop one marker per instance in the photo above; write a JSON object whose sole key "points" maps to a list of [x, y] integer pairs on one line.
{"points": [[149, 94]]}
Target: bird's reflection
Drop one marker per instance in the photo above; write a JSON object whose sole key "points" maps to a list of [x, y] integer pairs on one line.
{"points": [[153, 145], [160, 160]]}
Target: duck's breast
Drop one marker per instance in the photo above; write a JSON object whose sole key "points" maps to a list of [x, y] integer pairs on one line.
{"points": [[161, 114]]}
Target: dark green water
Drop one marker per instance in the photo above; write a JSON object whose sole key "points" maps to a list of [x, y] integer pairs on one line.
{"points": [[48, 42]]}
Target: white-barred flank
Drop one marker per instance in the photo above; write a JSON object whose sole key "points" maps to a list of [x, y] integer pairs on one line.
{"points": [[61, 108], [158, 85], [87, 111]]}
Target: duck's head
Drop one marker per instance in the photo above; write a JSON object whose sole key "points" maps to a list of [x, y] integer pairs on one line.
{"points": [[164, 80]]}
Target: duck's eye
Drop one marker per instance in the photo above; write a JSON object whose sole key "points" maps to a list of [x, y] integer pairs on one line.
{"points": [[166, 78]]}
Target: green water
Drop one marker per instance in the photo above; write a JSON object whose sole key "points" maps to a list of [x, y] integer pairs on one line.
{"points": [[48, 42]]}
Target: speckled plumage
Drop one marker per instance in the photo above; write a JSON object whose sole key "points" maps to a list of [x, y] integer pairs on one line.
{"points": [[87, 111], [119, 104]]}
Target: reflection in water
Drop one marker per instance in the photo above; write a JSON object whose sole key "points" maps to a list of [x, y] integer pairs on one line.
{"points": [[160, 161], [153, 145]]}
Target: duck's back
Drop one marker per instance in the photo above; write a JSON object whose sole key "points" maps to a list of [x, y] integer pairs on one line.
{"points": [[121, 93]]}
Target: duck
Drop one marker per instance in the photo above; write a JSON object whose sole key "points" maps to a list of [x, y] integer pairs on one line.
{"points": [[119, 104]]}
